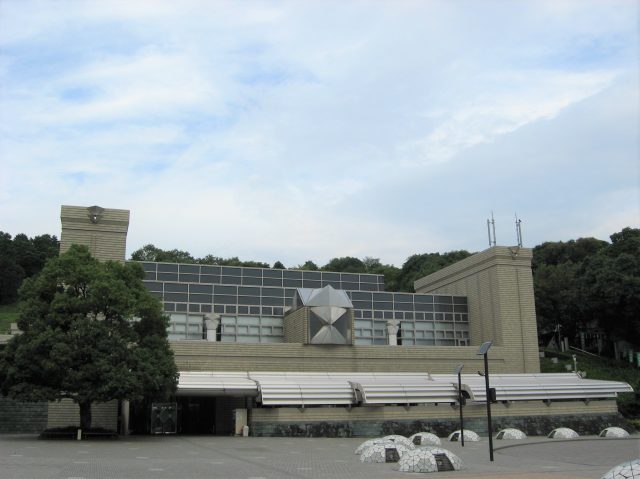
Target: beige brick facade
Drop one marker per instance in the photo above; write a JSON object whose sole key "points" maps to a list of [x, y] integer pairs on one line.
{"points": [[106, 238], [498, 284]]}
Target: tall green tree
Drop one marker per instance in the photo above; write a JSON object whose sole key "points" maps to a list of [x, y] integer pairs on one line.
{"points": [[91, 332]]}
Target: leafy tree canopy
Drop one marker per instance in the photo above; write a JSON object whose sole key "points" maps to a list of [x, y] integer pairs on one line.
{"points": [[22, 257], [91, 332], [150, 252]]}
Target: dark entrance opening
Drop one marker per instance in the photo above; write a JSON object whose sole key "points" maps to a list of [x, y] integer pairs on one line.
{"points": [[196, 415]]}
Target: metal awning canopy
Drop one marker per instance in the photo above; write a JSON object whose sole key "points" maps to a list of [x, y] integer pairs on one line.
{"points": [[302, 389]]}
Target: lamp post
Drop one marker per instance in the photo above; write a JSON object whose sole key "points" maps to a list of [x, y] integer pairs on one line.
{"points": [[484, 348], [460, 401]]}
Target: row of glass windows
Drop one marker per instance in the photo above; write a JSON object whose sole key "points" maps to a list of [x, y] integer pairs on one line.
{"points": [[261, 277], [251, 329], [267, 296], [223, 309]]}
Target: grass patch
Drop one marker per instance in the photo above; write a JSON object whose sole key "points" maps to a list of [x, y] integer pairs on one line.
{"points": [[8, 315], [601, 368]]}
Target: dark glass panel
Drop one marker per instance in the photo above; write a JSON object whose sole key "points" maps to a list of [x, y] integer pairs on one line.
{"points": [[167, 276], [225, 299], [272, 273], [444, 308], [357, 313], [292, 274], [335, 284], [277, 292], [424, 307], [149, 266], [267, 311], [423, 298], [369, 278], [254, 310], [360, 296], [218, 308], [177, 297], [206, 269], [176, 287], [443, 299], [167, 267], [403, 306], [205, 308], [150, 275], [250, 280], [231, 271], [168, 307], [278, 311], [153, 285], [181, 307], [460, 308], [271, 282], [289, 293], [231, 280], [350, 286], [189, 278], [230, 309], [253, 272], [311, 284], [190, 268], [209, 278], [194, 308], [201, 288], [398, 315], [292, 283], [313, 275], [383, 296], [388, 315], [377, 314], [200, 298], [245, 291], [250, 300], [328, 277], [362, 304], [368, 287], [268, 301], [366, 314], [225, 289], [354, 278]]}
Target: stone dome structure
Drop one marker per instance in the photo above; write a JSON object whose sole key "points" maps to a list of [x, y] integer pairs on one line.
{"points": [[398, 439], [511, 433], [389, 452], [563, 433], [425, 439], [371, 442], [613, 432], [626, 470], [469, 435], [432, 459]]}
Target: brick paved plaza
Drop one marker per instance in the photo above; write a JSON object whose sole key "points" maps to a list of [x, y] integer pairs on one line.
{"points": [[194, 457]]}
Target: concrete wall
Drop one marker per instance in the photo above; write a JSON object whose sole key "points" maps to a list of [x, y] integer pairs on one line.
{"points": [[207, 356], [498, 284], [533, 417], [66, 413], [106, 239], [22, 417], [296, 326]]}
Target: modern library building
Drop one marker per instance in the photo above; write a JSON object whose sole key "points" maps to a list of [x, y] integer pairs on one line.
{"points": [[279, 352]]}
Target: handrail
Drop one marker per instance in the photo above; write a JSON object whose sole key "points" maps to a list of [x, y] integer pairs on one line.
{"points": [[584, 352]]}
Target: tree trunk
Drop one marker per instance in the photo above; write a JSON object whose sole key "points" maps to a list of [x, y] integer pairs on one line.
{"points": [[85, 415]]}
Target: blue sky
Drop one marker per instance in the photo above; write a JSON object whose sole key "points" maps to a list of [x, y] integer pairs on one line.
{"points": [[309, 130]]}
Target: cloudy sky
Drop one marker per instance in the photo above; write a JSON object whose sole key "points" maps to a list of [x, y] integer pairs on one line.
{"points": [[308, 130]]}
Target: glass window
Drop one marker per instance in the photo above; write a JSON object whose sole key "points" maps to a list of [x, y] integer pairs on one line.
{"points": [[194, 308], [149, 266], [225, 290], [189, 278], [350, 277], [231, 280], [181, 307], [350, 286], [368, 287], [423, 298], [230, 309], [334, 284], [249, 320], [176, 288], [205, 308], [267, 310], [326, 277], [225, 299], [382, 306], [167, 267], [169, 307], [200, 298], [383, 297], [208, 278], [150, 275], [190, 268], [247, 291], [268, 301], [292, 274], [255, 272], [366, 314], [292, 283], [153, 285], [254, 310], [231, 271], [444, 299], [250, 280], [312, 275], [312, 284], [272, 282], [272, 273], [362, 304], [218, 308], [206, 269], [167, 276], [201, 288], [176, 297], [243, 310], [277, 292]]}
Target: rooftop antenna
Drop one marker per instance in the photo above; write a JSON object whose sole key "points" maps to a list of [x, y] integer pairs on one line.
{"points": [[491, 230], [519, 230]]}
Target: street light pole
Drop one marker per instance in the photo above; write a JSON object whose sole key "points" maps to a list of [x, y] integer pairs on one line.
{"points": [[460, 400], [483, 351]]}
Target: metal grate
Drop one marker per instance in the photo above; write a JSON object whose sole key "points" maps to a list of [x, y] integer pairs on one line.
{"points": [[443, 462]]}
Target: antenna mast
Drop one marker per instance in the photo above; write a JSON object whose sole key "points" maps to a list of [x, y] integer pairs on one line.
{"points": [[491, 230], [519, 230]]}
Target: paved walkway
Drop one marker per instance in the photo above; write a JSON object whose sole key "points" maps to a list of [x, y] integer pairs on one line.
{"points": [[195, 457]]}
